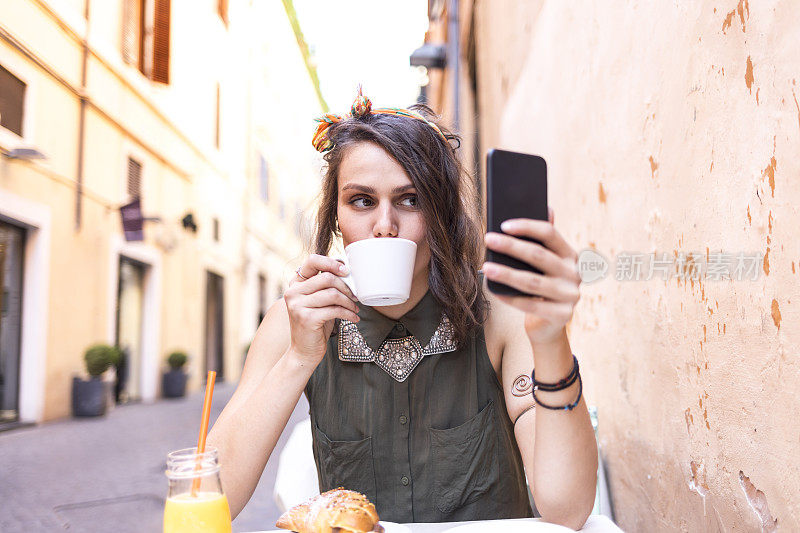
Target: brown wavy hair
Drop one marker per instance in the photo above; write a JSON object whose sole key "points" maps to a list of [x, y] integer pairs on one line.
{"points": [[446, 197]]}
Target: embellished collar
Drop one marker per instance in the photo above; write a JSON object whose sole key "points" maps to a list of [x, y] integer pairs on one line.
{"points": [[421, 322], [424, 330]]}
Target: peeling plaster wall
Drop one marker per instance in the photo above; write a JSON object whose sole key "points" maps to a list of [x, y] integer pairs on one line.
{"points": [[671, 127]]}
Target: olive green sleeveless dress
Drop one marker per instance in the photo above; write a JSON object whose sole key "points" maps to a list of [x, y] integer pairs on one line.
{"points": [[414, 422]]}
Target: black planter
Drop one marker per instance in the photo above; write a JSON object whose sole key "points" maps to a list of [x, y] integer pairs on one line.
{"points": [[174, 384], [88, 397]]}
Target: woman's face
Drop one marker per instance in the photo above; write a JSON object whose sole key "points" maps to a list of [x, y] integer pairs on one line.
{"points": [[377, 199]]}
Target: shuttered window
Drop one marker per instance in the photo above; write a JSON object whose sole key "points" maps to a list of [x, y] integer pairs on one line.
{"points": [[146, 37], [12, 100], [134, 178]]}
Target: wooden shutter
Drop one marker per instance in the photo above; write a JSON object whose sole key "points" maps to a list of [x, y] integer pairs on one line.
{"points": [[222, 9], [131, 10], [12, 100], [161, 41], [134, 178]]}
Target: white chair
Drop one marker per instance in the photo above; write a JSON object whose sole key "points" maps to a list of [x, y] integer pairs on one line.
{"points": [[296, 480]]}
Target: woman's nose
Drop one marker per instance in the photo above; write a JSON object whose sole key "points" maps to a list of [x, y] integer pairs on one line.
{"points": [[386, 225]]}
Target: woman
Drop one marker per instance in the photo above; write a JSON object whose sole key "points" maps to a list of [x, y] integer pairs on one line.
{"points": [[454, 439]]}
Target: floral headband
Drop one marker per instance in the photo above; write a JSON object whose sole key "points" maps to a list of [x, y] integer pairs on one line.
{"points": [[361, 107]]}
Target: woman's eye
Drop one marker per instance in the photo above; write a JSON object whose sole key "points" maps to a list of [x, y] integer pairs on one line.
{"points": [[361, 202], [410, 201]]}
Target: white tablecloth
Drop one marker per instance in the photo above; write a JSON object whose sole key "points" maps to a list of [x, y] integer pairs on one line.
{"points": [[595, 524]]}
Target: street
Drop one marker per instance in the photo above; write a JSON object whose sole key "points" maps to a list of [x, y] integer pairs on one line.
{"points": [[107, 474]]}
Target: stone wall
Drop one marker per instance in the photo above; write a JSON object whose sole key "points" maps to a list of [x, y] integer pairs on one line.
{"points": [[669, 128]]}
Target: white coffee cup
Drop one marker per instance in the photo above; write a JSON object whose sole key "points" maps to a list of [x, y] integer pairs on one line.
{"points": [[381, 270]]}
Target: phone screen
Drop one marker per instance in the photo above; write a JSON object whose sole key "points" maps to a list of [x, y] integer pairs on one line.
{"points": [[516, 187]]}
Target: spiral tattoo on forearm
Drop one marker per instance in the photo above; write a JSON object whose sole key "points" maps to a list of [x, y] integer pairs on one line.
{"points": [[522, 386]]}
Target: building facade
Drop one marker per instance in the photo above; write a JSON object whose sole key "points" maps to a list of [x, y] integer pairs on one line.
{"points": [[667, 128], [202, 112]]}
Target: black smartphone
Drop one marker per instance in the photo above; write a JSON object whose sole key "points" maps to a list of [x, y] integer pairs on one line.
{"points": [[516, 187]]}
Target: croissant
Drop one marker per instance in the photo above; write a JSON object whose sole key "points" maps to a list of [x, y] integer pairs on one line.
{"points": [[335, 511]]}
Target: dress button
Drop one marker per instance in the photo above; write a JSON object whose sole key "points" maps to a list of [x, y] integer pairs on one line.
{"points": [[399, 327], [403, 419], [404, 480]]}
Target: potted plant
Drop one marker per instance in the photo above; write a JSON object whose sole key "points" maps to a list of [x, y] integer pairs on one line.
{"points": [[174, 384], [89, 396]]}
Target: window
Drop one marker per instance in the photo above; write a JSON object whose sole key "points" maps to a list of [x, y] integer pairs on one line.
{"points": [[216, 229], [263, 178], [12, 98], [262, 298], [134, 178], [298, 220], [216, 120], [145, 37], [132, 30], [222, 9]]}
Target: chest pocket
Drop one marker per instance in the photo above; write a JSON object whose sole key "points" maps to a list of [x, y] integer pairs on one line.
{"points": [[465, 461], [345, 463]]}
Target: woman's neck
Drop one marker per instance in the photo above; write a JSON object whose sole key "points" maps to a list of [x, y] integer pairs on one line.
{"points": [[419, 286]]}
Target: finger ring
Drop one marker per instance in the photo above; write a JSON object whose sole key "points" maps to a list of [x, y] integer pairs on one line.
{"points": [[299, 274]]}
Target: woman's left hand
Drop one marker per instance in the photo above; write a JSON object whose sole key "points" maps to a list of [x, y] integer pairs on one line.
{"points": [[554, 293]]}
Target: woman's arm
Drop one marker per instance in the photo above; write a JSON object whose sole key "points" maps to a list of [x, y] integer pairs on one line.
{"points": [[251, 423], [558, 447], [288, 346]]}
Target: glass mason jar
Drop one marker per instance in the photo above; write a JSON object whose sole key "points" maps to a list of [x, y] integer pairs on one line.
{"points": [[195, 501]]}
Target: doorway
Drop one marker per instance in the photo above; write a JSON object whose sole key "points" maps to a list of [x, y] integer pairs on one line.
{"points": [[12, 246], [215, 324], [128, 336]]}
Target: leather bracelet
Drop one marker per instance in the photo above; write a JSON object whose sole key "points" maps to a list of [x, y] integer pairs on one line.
{"points": [[568, 407], [561, 384]]}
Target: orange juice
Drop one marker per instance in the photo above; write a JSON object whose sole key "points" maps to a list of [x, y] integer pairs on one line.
{"points": [[208, 512]]}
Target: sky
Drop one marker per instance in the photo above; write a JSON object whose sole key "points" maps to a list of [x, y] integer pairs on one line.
{"points": [[367, 42]]}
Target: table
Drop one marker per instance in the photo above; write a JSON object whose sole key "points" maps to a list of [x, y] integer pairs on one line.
{"points": [[595, 524]]}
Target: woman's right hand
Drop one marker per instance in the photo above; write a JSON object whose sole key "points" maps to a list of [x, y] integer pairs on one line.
{"points": [[314, 303]]}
